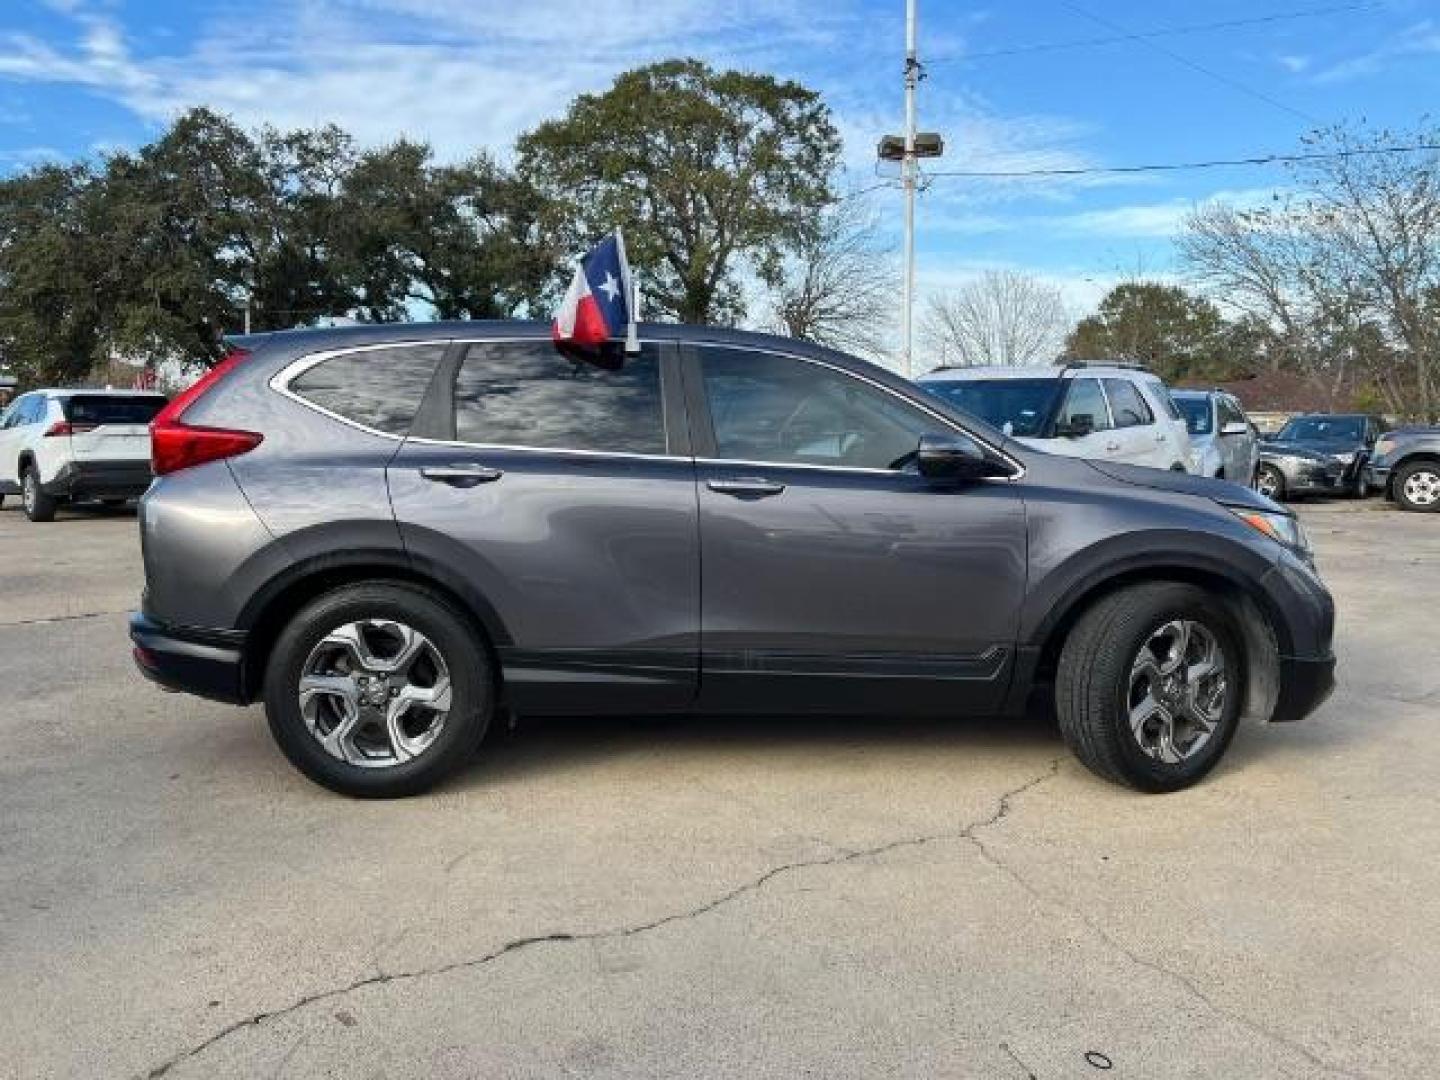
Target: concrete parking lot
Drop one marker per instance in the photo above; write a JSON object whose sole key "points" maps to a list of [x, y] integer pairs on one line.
{"points": [[706, 898]]}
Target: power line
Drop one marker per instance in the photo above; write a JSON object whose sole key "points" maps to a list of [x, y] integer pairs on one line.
{"points": [[1171, 31], [1176, 166], [1234, 84]]}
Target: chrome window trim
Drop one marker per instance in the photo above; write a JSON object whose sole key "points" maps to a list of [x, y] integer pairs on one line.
{"points": [[912, 402], [281, 380]]}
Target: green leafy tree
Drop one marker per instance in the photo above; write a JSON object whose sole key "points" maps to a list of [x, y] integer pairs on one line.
{"points": [[1178, 335], [53, 280], [704, 171], [463, 239]]}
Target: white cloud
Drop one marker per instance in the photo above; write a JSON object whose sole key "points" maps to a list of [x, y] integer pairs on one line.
{"points": [[1293, 64], [1418, 39]]}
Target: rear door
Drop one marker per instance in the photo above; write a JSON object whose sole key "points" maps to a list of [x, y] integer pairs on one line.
{"points": [[111, 427], [558, 491]]}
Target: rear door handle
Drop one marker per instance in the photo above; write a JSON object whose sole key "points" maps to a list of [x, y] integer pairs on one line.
{"points": [[461, 476], [1112, 446], [755, 487]]}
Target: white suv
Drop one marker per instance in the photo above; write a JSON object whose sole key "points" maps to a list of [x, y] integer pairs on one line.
{"points": [[59, 446], [1110, 412]]}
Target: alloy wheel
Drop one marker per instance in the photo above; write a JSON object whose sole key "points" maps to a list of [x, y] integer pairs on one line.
{"points": [[29, 491], [1267, 482], [1422, 488], [375, 693], [1179, 682]]}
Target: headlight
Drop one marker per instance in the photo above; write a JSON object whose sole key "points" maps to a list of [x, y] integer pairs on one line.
{"points": [[1282, 528]]}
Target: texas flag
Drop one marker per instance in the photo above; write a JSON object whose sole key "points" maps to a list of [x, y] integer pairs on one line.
{"points": [[596, 307]]}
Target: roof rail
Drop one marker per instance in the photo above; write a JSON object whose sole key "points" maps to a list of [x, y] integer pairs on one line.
{"points": [[1125, 365]]}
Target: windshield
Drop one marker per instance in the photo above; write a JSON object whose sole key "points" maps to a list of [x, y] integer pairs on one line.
{"points": [[1015, 406], [1323, 429], [1197, 414]]}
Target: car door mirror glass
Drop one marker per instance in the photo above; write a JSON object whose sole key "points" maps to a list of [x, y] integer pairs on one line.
{"points": [[955, 457]]}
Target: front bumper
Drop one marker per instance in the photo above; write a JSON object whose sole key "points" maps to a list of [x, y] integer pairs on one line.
{"points": [[1313, 479], [100, 480], [1377, 477], [206, 663], [1305, 684]]}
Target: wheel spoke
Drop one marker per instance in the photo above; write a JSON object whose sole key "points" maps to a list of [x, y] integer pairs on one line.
{"points": [[1178, 633], [1141, 714], [351, 638]]}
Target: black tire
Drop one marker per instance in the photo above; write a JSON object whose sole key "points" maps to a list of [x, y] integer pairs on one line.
{"points": [[1416, 469], [1273, 475], [38, 506], [1094, 676], [465, 655]]}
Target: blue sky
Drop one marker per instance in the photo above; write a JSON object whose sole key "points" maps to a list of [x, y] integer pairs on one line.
{"points": [[80, 76]]}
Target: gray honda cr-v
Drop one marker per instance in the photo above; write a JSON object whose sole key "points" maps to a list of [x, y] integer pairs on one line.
{"points": [[392, 534]]}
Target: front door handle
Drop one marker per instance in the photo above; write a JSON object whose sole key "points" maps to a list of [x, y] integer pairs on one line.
{"points": [[753, 487], [1112, 447], [461, 476]]}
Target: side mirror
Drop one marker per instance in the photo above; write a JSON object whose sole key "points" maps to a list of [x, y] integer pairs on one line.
{"points": [[1235, 427], [1080, 424], [955, 457]]}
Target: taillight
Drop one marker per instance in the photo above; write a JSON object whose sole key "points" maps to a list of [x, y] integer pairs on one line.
{"points": [[175, 445], [65, 427]]}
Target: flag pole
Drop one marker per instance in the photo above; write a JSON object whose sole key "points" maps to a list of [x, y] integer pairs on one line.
{"points": [[632, 299]]}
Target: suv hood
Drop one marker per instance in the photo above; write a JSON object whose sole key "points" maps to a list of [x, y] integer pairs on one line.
{"points": [[1204, 487], [1313, 451]]}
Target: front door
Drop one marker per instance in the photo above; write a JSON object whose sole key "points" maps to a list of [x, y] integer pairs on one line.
{"points": [[1143, 440], [835, 577], [560, 491]]}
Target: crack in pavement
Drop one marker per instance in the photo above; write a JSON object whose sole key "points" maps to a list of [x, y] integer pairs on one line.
{"points": [[1002, 809], [1177, 977], [45, 620]]}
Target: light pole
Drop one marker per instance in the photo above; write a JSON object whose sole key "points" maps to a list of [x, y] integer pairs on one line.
{"points": [[908, 149]]}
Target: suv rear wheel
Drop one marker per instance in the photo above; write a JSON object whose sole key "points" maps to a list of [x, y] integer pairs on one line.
{"points": [[1149, 685], [38, 505], [379, 690]]}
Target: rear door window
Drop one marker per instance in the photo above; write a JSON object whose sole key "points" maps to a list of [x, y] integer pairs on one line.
{"points": [[1086, 399], [380, 389], [1128, 406], [102, 411], [535, 395]]}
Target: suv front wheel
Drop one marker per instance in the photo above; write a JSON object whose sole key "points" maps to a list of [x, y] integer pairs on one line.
{"points": [[1149, 685], [379, 690]]}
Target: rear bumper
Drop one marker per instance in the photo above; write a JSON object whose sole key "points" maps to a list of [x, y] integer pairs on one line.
{"points": [[206, 663], [1304, 686], [100, 480]]}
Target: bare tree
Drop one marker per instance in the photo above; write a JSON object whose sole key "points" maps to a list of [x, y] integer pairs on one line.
{"points": [[1346, 272], [839, 287], [1002, 317]]}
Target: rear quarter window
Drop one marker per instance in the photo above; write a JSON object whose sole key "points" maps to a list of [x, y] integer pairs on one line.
{"points": [[380, 389]]}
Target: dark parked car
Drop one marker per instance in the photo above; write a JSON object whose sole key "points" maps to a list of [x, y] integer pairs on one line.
{"points": [[392, 534], [1294, 452], [1406, 467]]}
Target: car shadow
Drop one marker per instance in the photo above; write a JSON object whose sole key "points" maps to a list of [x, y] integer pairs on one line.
{"points": [[545, 744]]}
